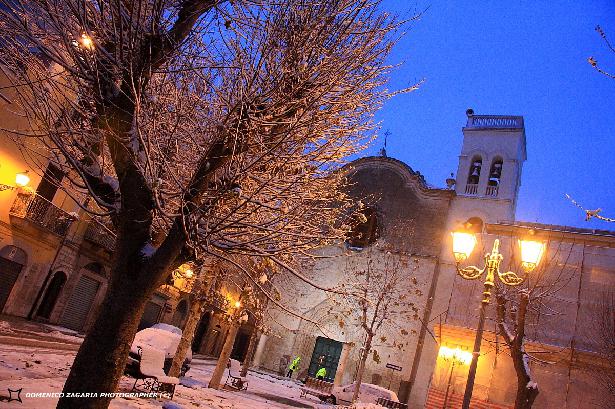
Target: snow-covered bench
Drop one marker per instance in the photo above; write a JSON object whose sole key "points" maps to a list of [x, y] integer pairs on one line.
{"points": [[152, 374], [391, 404], [236, 382], [319, 388]]}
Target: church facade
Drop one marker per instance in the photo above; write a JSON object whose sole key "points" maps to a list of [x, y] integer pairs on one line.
{"points": [[411, 222]]}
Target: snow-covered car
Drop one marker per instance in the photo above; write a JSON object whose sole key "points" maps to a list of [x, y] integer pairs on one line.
{"points": [[368, 393], [163, 337]]}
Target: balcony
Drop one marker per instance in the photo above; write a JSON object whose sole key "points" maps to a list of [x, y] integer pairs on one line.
{"points": [[495, 122], [41, 212], [492, 191], [471, 189], [99, 235]]}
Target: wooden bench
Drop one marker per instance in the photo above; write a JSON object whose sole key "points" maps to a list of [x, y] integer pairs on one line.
{"points": [[152, 374], [316, 387], [391, 404], [235, 382]]}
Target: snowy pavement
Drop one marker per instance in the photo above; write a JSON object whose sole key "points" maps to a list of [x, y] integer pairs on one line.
{"points": [[45, 370]]}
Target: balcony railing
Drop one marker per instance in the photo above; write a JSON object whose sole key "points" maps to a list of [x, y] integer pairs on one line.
{"points": [[471, 189], [40, 211], [492, 191], [495, 121], [98, 234]]}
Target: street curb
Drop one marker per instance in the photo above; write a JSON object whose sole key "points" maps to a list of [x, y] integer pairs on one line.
{"points": [[30, 342]]}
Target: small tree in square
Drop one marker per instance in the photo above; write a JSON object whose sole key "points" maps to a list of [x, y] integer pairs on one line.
{"points": [[379, 297]]}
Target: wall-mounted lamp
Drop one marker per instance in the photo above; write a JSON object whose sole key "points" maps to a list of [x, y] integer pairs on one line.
{"points": [[22, 179]]}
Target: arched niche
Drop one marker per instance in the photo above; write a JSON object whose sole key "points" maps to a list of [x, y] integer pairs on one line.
{"points": [[52, 293], [475, 168], [495, 171], [180, 314]]}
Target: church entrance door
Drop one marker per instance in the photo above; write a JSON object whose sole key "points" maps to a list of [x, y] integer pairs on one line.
{"points": [[326, 354]]}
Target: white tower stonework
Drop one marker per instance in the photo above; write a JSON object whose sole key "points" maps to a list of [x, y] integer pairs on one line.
{"points": [[484, 190], [490, 164]]}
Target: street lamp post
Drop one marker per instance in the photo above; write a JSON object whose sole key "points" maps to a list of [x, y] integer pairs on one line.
{"points": [[455, 356], [463, 244]]}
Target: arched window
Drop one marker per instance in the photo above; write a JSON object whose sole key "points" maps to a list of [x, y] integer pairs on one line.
{"points": [[364, 230], [475, 167], [475, 225], [494, 177], [496, 172]]}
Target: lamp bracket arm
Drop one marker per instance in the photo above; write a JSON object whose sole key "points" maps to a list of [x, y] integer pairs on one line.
{"points": [[470, 272], [510, 278]]}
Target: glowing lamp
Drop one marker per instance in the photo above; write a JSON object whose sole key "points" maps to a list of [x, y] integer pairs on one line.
{"points": [[22, 179], [463, 244], [86, 41], [459, 355], [188, 273], [531, 253], [445, 352], [237, 304]]}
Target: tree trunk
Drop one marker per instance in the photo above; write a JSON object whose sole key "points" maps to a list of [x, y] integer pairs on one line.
{"points": [[101, 359], [216, 376], [249, 354], [368, 347], [527, 389], [194, 316]]}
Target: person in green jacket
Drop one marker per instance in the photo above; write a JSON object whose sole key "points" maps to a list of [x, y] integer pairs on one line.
{"points": [[322, 372], [293, 366]]}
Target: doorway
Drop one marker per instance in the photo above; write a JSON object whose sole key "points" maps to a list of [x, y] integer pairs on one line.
{"points": [[326, 354], [51, 295], [200, 332], [240, 347], [80, 303], [12, 260]]}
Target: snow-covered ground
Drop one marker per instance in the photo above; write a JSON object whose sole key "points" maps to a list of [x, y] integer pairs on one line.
{"points": [[45, 370]]}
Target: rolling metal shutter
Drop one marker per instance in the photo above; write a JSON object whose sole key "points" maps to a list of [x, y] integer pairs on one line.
{"points": [[9, 272], [80, 303]]}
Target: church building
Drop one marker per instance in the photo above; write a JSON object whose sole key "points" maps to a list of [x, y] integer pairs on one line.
{"points": [[410, 222]]}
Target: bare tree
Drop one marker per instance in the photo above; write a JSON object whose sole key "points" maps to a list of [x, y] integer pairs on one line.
{"points": [[593, 62], [195, 126], [524, 306], [201, 294], [206, 291], [527, 388], [378, 299], [589, 214]]}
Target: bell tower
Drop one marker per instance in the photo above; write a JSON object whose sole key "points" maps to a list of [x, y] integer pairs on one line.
{"points": [[489, 172]]}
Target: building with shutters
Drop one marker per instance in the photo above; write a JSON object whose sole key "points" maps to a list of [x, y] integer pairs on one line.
{"points": [[54, 259], [412, 221]]}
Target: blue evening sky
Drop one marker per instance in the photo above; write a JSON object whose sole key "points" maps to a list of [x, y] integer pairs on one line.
{"points": [[511, 58]]}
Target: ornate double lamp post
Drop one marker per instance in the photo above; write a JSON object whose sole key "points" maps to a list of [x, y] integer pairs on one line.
{"points": [[463, 244]]}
